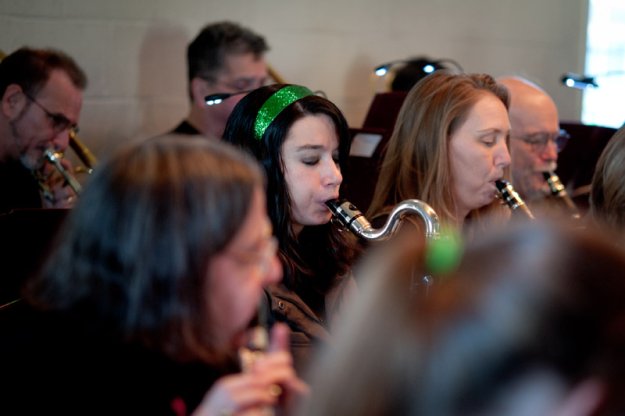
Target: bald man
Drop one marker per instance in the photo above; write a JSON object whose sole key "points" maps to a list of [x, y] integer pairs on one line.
{"points": [[534, 137]]}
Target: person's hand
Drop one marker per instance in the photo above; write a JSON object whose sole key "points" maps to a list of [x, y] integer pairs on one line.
{"points": [[269, 385], [293, 388], [56, 192]]}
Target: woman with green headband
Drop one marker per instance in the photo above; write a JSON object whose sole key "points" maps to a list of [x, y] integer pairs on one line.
{"points": [[301, 139]]}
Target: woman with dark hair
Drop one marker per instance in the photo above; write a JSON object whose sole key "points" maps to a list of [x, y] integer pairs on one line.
{"points": [[149, 293], [301, 140]]}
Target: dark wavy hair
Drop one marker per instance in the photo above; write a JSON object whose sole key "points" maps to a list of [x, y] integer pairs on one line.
{"points": [[322, 251]]}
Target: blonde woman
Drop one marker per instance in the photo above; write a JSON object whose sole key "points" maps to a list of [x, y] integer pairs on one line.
{"points": [[449, 146]]}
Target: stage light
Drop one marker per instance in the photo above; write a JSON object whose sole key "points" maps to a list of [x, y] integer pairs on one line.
{"points": [[580, 82]]}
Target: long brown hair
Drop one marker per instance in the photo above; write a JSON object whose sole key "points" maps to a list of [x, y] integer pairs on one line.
{"points": [[416, 163]]}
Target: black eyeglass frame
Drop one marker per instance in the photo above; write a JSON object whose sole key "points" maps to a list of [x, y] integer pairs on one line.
{"points": [[59, 121]]}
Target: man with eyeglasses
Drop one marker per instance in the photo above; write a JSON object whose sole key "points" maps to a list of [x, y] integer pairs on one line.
{"points": [[535, 138], [223, 58], [42, 91]]}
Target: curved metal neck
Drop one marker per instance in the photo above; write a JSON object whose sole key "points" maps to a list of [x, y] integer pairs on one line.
{"points": [[354, 220]]}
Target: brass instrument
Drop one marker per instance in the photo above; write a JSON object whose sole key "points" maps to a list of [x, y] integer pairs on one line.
{"points": [[83, 153], [55, 158], [512, 199], [558, 190], [275, 76]]}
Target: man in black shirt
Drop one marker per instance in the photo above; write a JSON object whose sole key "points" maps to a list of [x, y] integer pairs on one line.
{"points": [[223, 58]]}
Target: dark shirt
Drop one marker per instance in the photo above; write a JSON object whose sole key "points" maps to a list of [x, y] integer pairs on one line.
{"points": [[19, 187], [56, 363], [26, 235], [185, 128]]}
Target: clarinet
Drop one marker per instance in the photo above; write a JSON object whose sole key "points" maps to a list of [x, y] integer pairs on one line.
{"points": [[511, 198], [559, 191]]}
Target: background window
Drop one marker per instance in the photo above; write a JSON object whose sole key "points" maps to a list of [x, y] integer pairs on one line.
{"points": [[605, 60]]}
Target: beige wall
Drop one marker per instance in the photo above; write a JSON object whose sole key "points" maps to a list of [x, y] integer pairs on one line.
{"points": [[133, 50]]}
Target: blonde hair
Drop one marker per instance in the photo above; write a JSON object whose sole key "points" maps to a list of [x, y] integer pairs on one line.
{"points": [[416, 163], [607, 195]]}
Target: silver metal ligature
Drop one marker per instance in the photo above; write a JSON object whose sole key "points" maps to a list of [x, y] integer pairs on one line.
{"points": [[512, 199]]}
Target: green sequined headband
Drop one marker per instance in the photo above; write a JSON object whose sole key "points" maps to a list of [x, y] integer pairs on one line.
{"points": [[274, 105]]}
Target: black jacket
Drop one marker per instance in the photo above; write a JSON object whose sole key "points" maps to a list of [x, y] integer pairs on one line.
{"points": [[55, 363]]}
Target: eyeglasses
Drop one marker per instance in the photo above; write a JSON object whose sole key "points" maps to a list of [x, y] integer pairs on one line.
{"points": [[538, 141], [59, 121], [238, 85], [260, 257]]}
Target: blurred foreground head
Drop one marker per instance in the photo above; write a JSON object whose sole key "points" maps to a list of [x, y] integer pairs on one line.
{"points": [[531, 322], [136, 254]]}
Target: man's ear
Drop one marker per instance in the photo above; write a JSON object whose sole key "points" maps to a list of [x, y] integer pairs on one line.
{"points": [[199, 89], [13, 101]]}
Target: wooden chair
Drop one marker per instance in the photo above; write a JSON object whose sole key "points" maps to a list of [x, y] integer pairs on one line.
{"points": [[384, 109], [576, 162], [361, 174]]}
